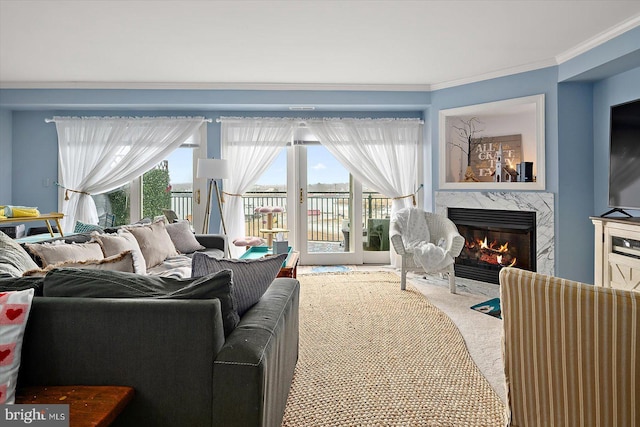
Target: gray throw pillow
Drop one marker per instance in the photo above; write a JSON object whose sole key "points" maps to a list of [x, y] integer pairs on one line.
{"points": [[76, 282], [251, 277], [14, 260], [183, 238]]}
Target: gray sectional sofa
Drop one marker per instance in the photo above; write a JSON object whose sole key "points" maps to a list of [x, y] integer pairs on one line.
{"points": [[185, 368], [173, 353]]}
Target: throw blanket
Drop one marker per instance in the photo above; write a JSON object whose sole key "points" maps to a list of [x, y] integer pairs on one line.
{"points": [[416, 238]]}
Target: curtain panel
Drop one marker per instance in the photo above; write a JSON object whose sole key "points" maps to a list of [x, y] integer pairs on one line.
{"points": [[100, 154], [250, 145], [381, 153]]}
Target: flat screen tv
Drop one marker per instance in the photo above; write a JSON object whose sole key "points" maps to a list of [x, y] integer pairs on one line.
{"points": [[624, 155]]}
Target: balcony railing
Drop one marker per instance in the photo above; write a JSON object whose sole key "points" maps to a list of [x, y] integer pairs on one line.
{"points": [[325, 215], [182, 204], [326, 212]]}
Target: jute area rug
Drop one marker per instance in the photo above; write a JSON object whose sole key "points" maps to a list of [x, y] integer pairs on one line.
{"points": [[373, 355]]}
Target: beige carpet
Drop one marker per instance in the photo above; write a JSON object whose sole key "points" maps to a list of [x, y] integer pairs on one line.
{"points": [[373, 355]]}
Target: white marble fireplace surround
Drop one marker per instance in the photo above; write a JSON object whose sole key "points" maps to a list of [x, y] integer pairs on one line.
{"points": [[538, 202]]}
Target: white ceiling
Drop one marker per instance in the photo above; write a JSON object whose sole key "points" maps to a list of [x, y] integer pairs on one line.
{"points": [[314, 44]]}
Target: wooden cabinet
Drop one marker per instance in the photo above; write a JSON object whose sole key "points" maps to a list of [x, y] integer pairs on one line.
{"points": [[617, 253]]}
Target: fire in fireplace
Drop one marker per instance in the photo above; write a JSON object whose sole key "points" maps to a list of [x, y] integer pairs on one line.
{"points": [[494, 239]]}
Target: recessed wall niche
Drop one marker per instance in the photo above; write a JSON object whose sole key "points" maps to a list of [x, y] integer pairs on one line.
{"points": [[497, 145]]}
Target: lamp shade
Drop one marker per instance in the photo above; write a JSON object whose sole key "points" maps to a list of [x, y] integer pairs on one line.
{"points": [[212, 169]]}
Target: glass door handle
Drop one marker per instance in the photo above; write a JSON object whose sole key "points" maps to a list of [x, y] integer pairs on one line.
{"points": [[198, 196]]}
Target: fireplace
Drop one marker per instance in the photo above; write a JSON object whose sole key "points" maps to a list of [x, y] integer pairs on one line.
{"points": [[494, 239]]}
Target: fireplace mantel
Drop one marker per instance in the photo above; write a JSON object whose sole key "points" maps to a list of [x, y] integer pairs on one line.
{"points": [[541, 203]]}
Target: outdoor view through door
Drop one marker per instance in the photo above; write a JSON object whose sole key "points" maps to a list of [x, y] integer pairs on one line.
{"points": [[321, 217]]}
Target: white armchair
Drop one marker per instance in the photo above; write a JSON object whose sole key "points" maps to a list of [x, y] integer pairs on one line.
{"points": [[439, 227]]}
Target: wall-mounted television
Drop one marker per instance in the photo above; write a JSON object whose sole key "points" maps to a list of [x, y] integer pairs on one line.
{"points": [[624, 157]]}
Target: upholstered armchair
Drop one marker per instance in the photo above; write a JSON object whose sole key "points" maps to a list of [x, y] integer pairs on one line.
{"points": [[571, 352], [440, 231]]}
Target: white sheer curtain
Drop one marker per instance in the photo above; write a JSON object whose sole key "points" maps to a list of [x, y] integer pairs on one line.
{"points": [[249, 145], [99, 154], [381, 153]]}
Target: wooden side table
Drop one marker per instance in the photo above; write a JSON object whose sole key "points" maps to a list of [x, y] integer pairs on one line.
{"points": [[290, 269], [95, 406], [55, 216]]}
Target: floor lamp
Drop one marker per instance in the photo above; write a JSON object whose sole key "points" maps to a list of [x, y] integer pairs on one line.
{"points": [[213, 170]]}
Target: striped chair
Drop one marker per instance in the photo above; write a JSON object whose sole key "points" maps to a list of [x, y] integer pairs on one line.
{"points": [[571, 352]]}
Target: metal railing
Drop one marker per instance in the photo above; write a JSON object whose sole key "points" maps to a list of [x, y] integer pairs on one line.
{"points": [[326, 212], [182, 204], [325, 215]]}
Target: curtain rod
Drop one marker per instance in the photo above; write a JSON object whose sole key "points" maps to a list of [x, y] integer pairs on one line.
{"points": [[308, 119], [52, 120]]}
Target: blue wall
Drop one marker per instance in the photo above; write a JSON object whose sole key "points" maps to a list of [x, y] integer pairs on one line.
{"points": [[5, 156]]}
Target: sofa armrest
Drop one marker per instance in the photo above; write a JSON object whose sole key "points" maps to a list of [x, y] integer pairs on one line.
{"points": [[164, 349], [258, 360], [213, 241], [395, 235]]}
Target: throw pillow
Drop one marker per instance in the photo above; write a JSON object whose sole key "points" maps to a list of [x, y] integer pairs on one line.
{"points": [[123, 240], [81, 227], [183, 238], [73, 282], [14, 311], [59, 251], [121, 262], [14, 260], [155, 243], [251, 277]]}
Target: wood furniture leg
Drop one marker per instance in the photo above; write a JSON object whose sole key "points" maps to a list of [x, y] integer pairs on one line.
{"points": [[96, 406]]}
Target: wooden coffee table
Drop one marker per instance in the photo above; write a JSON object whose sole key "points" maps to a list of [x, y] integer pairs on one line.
{"points": [[95, 406], [289, 267]]}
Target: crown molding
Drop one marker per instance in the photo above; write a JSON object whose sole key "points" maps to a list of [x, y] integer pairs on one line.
{"points": [[495, 74], [599, 39], [219, 86]]}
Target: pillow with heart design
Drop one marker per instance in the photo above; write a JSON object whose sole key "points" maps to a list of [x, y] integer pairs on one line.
{"points": [[14, 311]]}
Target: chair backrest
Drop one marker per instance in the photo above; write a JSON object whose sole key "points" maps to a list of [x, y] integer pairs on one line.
{"points": [[107, 220], [170, 215], [571, 352]]}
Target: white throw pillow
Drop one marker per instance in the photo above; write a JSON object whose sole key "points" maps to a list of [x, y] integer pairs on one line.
{"points": [[120, 262], [59, 251], [14, 311], [155, 243], [113, 244]]}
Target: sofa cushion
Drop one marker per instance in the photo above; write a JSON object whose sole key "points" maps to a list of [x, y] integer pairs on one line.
{"points": [[14, 311], [22, 283], [74, 282], [123, 240], [251, 277], [14, 260], [120, 262], [183, 238], [58, 251], [155, 242]]}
